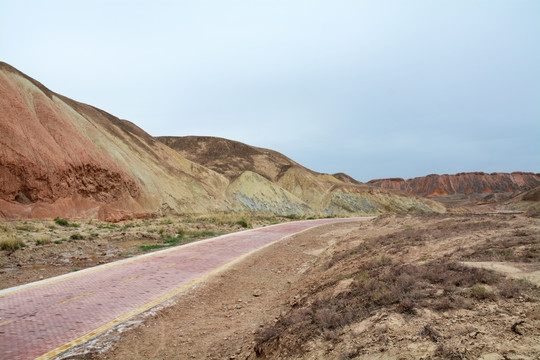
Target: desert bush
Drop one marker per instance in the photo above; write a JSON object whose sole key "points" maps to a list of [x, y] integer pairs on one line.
{"points": [[11, 242], [405, 307], [243, 223], [26, 227], [448, 352], [511, 288], [328, 318], [76, 236], [43, 240], [127, 226], [65, 223], [199, 234], [481, 293], [61, 222], [267, 334], [443, 303], [180, 232]]}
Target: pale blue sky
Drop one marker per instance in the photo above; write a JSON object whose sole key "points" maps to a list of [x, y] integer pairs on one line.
{"points": [[371, 88]]}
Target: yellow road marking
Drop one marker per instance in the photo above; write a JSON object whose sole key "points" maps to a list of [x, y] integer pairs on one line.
{"points": [[167, 266], [75, 298], [131, 278], [6, 322]]}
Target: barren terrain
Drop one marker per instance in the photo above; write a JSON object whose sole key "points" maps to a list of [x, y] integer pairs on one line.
{"points": [[400, 286]]}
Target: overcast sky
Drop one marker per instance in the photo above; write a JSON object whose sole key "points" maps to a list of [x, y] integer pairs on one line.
{"points": [[371, 88]]}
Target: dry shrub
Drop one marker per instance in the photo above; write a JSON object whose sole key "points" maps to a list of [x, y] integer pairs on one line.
{"points": [[448, 352], [430, 333], [43, 240], [267, 334], [11, 242], [511, 288], [327, 318], [481, 293], [406, 307]]}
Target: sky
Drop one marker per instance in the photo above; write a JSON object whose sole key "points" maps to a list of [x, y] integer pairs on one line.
{"points": [[372, 88]]}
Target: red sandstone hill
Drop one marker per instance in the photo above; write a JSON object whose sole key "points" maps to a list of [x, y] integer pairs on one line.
{"points": [[60, 157], [462, 183]]}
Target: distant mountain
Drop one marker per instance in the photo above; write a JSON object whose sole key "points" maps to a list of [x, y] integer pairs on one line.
{"points": [[63, 158], [463, 186]]}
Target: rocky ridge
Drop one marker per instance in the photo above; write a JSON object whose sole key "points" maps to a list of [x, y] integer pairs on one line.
{"points": [[464, 186]]}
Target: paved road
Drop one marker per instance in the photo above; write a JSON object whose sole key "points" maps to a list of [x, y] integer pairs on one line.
{"points": [[46, 318]]}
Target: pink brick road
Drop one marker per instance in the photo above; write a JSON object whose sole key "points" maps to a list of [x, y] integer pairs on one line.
{"points": [[42, 317]]}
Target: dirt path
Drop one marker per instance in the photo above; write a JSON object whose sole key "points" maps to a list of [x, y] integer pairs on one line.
{"points": [[51, 316]]}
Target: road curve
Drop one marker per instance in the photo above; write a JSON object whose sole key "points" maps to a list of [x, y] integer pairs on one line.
{"points": [[43, 319]]}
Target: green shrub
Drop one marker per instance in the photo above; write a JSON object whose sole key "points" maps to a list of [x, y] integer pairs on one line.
{"points": [[243, 223], [61, 222], [65, 223], [76, 236]]}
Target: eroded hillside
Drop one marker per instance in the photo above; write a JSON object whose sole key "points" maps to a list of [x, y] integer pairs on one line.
{"points": [[474, 186], [63, 158], [265, 180]]}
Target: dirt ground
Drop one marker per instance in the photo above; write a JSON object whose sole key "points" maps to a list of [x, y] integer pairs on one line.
{"points": [[398, 287]]}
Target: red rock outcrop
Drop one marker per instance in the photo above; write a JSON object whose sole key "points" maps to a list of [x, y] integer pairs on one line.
{"points": [[462, 183], [61, 157]]}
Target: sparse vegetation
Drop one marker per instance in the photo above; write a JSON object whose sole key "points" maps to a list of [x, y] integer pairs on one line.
{"points": [[26, 227], [65, 223], [61, 222], [382, 282], [76, 236], [11, 242], [43, 240], [243, 223]]}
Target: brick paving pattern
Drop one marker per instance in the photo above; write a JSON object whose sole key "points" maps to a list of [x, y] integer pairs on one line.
{"points": [[39, 319]]}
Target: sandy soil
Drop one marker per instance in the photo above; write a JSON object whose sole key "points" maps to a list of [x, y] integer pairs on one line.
{"points": [[258, 308]]}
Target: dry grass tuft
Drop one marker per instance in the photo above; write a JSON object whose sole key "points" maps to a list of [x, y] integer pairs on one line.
{"points": [[10, 242]]}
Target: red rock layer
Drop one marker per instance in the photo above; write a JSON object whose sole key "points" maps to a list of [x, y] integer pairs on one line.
{"points": [[43, 155], [462, 183]]}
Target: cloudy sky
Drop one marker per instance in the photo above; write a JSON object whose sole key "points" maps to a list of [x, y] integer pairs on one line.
{"points": [[373, 88]]}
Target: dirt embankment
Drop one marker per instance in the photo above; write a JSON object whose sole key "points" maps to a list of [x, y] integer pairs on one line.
{"points": [[394, 287]]}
